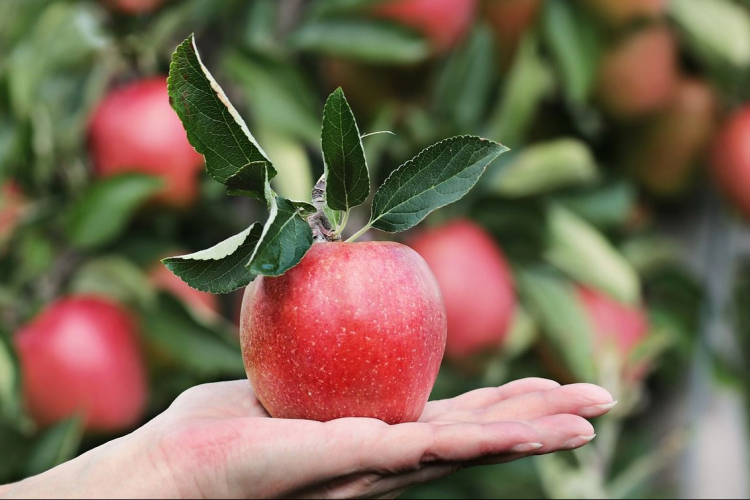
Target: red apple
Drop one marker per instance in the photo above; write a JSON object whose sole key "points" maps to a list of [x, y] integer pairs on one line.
{"points": [[476, 282], [355, 329], [509, 20], [664, 151], [638, 75], [443, 22], [12, 203], [134, 129], [134, 6], [615, 324], [205, 305], [81, 356], [619, 13], [730, 162]]}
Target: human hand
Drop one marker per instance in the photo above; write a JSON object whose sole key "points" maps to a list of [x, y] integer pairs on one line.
{"points": [[216, 440]]}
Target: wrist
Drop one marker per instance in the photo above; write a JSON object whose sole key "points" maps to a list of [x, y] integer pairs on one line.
{"points": [[119, 468]]}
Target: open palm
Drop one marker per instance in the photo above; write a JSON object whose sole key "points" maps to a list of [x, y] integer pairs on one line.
{"points": [[216, 440]]}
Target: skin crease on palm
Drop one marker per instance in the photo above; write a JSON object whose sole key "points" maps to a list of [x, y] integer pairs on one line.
{"points": [[216, 440]]}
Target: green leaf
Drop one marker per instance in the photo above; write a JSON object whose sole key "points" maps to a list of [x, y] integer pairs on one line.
{"points": [[529, 82], [545, 167], [605, 204], [439, 175], [467, 82], [285, 239], [347, 179], [221, 268], [718, 31], [57, 445], [116, 277], [174, 332], [213, 126], [572, 37], [365, 40], [555, 304], [11, 406], [104, 210], [582, 252], [247, 179]]}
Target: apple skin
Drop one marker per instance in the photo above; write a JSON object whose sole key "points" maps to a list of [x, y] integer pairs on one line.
{"points": [[204, 304], [134, 129], [509, 20], [477, 286], [639, 74], [12, 205], [354, 330], [134, 6], [619, 13], [81, 355], [664, 152], [730, 159], [444, 22]]}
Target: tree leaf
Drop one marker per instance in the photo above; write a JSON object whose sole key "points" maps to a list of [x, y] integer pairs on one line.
{"points": [[545, 167], [213, 126], [554, 303], [175, 333], [347, 179], [529, 82], [285, 239], [582, 252], [221, 268], [104, 210], [718, 31], [365, 40], [114, 276], [606, 204], [439, 175], [57, 445], [246, 180], [467, 82], [572, 37], [11, 406]]}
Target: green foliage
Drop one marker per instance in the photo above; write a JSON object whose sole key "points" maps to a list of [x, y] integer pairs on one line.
{"points": [[361, 39], [545, 167], [174, 332], [104, 210], [56, 445], [439, 175], [221, 268], [214, 127], [347, 179]]}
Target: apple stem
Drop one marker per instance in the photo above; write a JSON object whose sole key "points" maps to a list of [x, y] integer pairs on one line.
{"points": [[342, 225], [359, 233], [319, 222]]}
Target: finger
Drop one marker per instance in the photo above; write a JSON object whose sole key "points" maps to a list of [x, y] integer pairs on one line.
{"points": [[221, 399], [409, 447], [563, 432], [585, 400], [485, 397], [556, 433]]}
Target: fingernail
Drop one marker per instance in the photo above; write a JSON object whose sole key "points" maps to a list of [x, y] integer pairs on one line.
{"points": [[596, 410], [526, 447], [578, 441]]}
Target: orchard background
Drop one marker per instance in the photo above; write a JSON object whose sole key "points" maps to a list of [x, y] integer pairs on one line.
{"points": [[609, 245]]}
